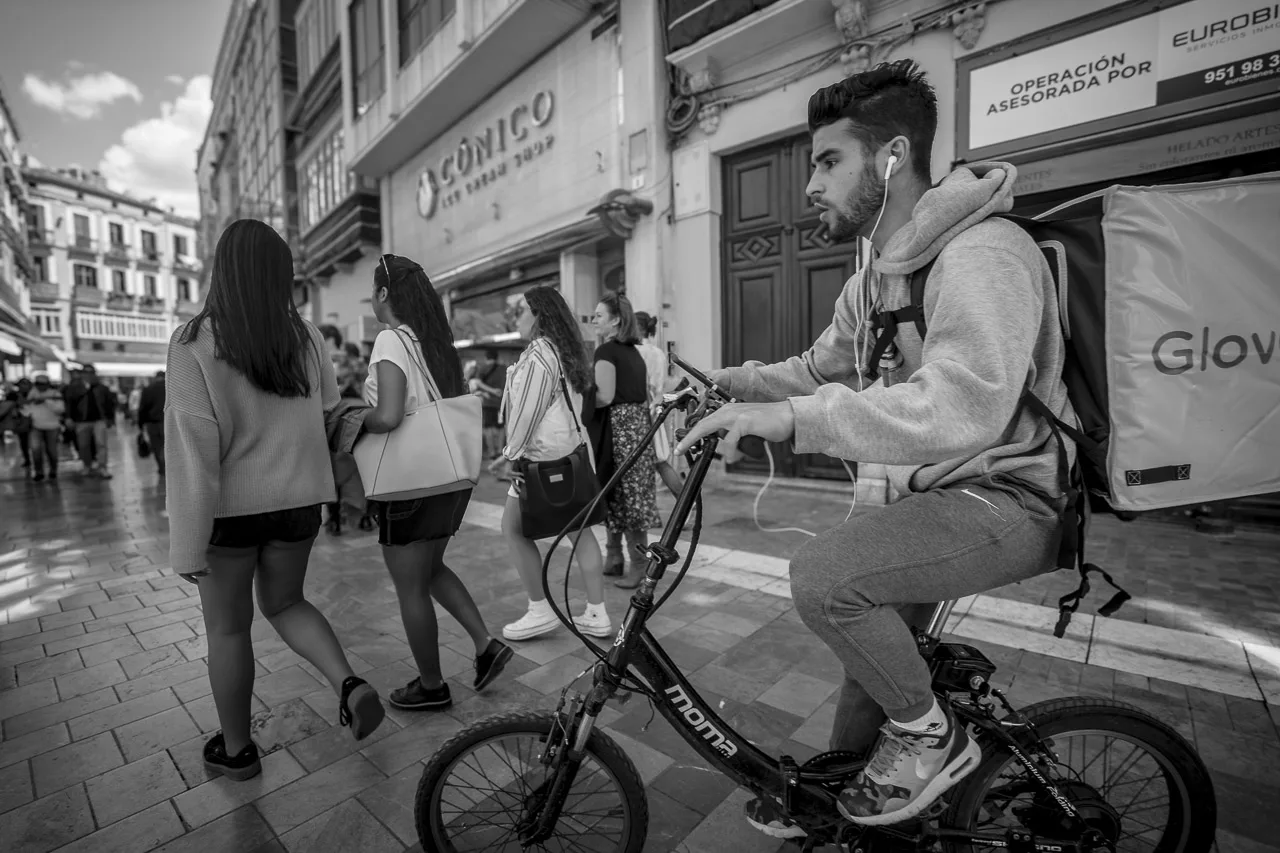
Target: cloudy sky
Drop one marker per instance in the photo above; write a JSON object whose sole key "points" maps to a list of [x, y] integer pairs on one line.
{"points": [[116, 85]]}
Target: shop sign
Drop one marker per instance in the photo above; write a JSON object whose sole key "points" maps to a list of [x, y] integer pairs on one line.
{"points": [[1202, 47], [482, 159], [1246, 135]]}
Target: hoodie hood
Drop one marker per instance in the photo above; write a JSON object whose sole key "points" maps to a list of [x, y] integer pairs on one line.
{"points": [[965, 197]]}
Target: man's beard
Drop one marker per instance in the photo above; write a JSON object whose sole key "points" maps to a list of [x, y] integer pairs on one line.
{"points": [[863, 209]]}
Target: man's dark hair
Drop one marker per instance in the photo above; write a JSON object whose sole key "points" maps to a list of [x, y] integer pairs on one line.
{"points": [[491, 354], [331, 333], [892, 99]]}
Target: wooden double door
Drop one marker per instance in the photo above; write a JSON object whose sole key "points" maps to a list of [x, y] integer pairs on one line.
{"points": [[782, 274]]}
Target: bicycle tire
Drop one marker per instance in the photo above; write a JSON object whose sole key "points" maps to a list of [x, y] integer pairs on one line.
{"points": [[1057, 717], [600, 746]]}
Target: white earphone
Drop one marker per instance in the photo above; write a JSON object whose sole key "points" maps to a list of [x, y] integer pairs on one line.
{"points": [[888, 170]]}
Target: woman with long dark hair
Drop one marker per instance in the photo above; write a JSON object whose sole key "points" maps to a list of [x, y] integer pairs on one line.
{"points": [[545, 423], [622, 398], [247, 467], [658, 374], [414, 533]]}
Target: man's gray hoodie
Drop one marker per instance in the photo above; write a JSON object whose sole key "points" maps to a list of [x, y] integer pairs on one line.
{"points": [[950, 412]]}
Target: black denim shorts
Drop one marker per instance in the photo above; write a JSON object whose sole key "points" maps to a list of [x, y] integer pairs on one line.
{"points": [[254, 531], [420, 519]]}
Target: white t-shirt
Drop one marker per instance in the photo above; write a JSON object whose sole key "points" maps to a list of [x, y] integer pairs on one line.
{"points": [[390, 346]]}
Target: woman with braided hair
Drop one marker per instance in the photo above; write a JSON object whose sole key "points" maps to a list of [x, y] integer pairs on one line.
{"points": [[414, 533]]}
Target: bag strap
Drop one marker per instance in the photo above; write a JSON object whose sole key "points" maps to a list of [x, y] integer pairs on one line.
{"points": [[887, 322], [415, 354], [564, 389]]}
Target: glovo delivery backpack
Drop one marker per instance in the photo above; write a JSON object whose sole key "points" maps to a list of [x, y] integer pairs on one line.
{"points": [[1170, 304]]}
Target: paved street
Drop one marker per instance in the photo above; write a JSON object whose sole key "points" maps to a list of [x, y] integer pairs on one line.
{"points": [[105, 703]]}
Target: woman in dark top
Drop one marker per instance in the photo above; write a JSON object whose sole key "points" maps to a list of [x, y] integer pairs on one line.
{"points": [[622, 397]]}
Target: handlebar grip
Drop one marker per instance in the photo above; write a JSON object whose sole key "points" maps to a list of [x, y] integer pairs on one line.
{"points": [[752, 447]]}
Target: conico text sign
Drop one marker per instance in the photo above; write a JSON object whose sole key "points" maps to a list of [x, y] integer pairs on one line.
{"points": [[485, 156], [1135, 68]]}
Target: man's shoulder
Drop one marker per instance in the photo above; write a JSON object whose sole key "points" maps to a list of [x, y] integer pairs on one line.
{"points": [[995, 233]]}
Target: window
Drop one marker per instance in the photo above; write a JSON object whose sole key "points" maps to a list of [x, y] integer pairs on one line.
{"points": [[42, 269], [117, 281], [35, 224], [117, 234], [367, 51], [83, 240], [323, 181], [85, 276], [149, 281], [317, 30], [419, 21], [184, 290], [179, 246], [149, 246]]}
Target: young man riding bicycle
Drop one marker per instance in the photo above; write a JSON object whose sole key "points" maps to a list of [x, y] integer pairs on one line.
{"points": [[977, 473]]}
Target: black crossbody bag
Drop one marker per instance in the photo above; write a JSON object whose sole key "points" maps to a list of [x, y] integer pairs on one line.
{"points": [[556, 490]]}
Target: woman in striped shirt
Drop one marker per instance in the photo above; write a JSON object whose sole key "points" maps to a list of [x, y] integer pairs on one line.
{"points": [[543, 425]]}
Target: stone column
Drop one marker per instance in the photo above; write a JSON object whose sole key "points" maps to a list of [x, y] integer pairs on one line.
{"points": [[644, 157], [580, 280]]}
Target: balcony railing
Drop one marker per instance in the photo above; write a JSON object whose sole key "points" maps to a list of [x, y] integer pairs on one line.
{"points": [[149, 257], [119, 253], [186, 262], [118, 301], [103, 325], [83, 246], [41, 237], [84, 294], [10, 303], [18, 244], [151, 304], [43, 291]]}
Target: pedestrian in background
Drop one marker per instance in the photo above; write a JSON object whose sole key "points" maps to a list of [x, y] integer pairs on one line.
{"points": [[622, 400], [247, 469], [150, 417], [91, 406], [14, 418], [45, 406], [131, 407], [544, 422], [415, 533], [658, 374]]}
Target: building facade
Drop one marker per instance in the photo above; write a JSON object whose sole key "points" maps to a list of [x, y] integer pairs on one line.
{"points": [[245, 163], [17, 333], [339, 220], [1169, 92], [515, 143], [113, 274]]}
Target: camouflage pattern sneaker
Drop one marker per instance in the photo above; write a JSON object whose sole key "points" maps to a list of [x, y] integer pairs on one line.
{"points": [[908, 771]]}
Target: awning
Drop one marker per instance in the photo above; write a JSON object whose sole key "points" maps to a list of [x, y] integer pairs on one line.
{"points": [[135, 369], [8, 345], [27, 341]]}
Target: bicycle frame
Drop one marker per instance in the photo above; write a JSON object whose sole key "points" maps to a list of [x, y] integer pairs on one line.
{"points": [[810, 793]]}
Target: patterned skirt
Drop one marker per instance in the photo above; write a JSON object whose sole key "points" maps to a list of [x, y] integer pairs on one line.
{"points": [[633, 505]]}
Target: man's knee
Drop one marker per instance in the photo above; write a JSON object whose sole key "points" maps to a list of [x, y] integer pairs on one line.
{"points": [[810, 579]]}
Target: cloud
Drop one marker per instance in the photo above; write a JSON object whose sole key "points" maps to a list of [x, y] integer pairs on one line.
{"points": [[157, 157], [175, 79], [83, 96]]}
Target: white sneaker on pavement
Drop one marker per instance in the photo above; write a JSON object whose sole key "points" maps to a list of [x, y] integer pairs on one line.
{"points": [[598, 626], [534, 623]]}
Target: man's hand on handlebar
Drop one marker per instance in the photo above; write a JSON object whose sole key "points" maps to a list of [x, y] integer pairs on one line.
{"points": [[769, 421]]}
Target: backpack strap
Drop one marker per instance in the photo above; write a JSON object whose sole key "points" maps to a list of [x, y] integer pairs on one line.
{"points": [[886, 322]]}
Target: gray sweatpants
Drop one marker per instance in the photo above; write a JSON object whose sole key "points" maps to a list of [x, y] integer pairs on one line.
{"points": [[859, 585]]}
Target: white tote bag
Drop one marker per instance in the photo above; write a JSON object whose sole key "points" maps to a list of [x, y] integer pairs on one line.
{"points": [[436, 449]]}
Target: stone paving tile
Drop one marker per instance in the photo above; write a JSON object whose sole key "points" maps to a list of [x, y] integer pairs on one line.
{"points": [[13, 750], [122, 713], [242, 831], [173, 676], [312, 795], [49, 822], [61, 712], [152, 660], [143, 831], [347, 826], [221, 796], [113, 650], [75, 762], [155, 733], [16, 787], [88, 680], [20, 700], [412, 744], [391, 801]]}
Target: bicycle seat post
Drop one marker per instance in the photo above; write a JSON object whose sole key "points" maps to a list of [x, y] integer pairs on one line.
{"points": [[938, 621]]}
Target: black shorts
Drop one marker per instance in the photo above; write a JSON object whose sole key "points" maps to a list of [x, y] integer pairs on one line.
{"points": [[254, 531], [420, 519], [488, 418]]}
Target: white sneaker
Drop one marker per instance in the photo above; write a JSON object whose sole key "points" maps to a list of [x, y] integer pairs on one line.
{"points": [[534, 623], [594, 626]]}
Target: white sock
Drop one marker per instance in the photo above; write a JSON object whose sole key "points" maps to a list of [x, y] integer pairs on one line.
{"points": [[934, 722], [595, 611], [542, 607]]}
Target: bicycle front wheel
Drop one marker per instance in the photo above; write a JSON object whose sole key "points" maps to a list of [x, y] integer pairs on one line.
{"points": [[484, 783]]}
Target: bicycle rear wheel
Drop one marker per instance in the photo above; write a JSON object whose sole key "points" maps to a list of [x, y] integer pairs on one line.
{"points": [[1132, 777], [487, 779]]}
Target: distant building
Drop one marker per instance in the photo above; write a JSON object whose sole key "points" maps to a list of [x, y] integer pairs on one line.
{"points": [[113, 274], [245, 164], [17, 338]]}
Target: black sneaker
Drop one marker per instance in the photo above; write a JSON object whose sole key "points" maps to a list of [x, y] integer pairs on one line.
{"points": [[244, 765], [490, 664], [414, 697]]}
